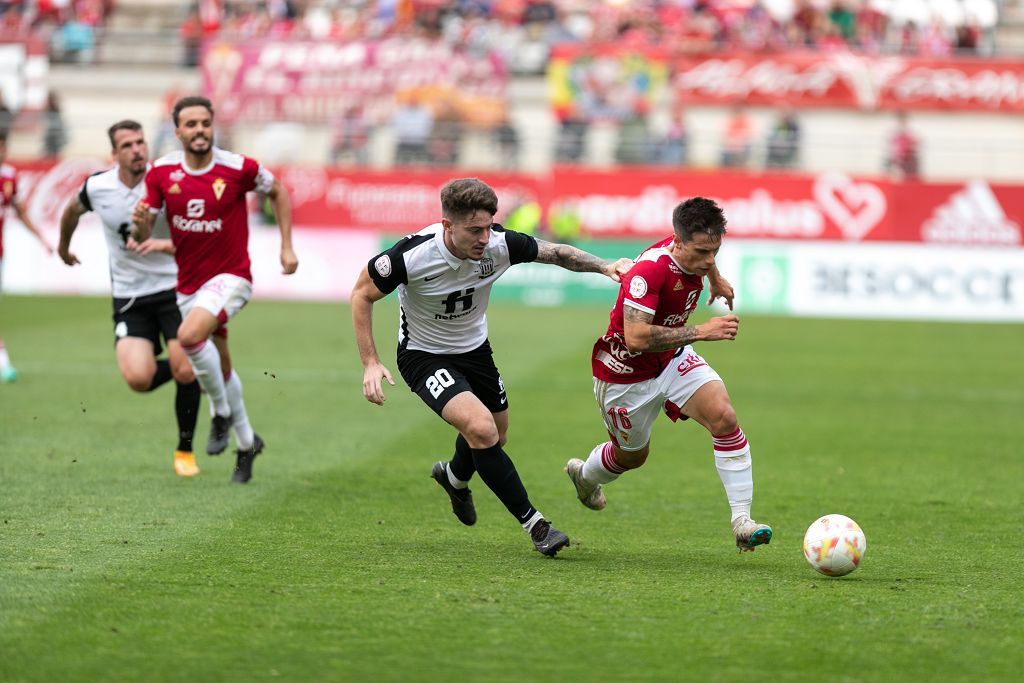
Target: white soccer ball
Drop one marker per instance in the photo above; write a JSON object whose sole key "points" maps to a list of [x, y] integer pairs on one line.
{"points": [[834, 545]]}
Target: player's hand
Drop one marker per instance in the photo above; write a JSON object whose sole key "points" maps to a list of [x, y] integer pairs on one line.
{"points": [[619, 268], [725, 327], [152, 246], [67, 257], [290, 262], [720, 288], [373, 384]]}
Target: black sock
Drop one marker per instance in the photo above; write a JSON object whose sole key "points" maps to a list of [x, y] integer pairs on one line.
{"points": [[498, 472], [461, 464], [162, 374], [186, 407]]}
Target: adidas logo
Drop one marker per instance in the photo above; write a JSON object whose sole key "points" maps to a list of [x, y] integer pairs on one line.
{"points": [[972, 215]]}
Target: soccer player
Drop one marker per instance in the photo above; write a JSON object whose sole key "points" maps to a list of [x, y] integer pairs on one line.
{"points": [[444, 274], [9, 197], [645, 363], [141, 283], [202, 190]]}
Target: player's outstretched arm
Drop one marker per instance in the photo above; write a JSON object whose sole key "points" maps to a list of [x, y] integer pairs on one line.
{"points": [[642, 335], [719, 287], [19, 209], [580, 261], [68, 223], [364, 294], [282, 206]]}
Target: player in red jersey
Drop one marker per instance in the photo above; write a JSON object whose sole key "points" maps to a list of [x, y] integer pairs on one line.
{"points": [[645, 364], [202, 189], [9, 197]]}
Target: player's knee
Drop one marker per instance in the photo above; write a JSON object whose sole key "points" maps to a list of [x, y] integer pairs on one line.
{"points": [[190, 337], [723, 419], [138, 381], [182, 371], [481, 433]]}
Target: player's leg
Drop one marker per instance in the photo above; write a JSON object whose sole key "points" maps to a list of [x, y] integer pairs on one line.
{"points": [[136, 360], [629, 411], [477, 424], [186, 406], [710, 406], [7, 371], [249, 442]]}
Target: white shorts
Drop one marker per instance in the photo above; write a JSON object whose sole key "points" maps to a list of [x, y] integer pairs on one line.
{"points": [[222, 295], [629, 410]]}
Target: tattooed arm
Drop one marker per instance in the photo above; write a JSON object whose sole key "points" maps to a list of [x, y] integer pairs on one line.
{"points": [[580, 261], [641, 335]]}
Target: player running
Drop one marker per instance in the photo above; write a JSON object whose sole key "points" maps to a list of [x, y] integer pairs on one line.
{"points": [[645, 364], [141, 283], [202, 190], [9, 197]]}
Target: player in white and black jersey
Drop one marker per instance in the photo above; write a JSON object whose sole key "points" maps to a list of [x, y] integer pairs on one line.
{"points": [[444, 275], [142, 282]]}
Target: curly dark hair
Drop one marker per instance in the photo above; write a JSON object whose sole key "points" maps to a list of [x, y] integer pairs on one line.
{"points": [[698, 214], [463, 197]]}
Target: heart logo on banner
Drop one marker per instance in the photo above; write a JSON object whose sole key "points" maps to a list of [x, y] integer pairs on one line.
{"points": [[855, 208]]}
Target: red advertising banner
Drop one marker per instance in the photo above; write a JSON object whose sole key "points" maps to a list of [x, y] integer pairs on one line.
{"points": [[315, 81], [634, 204], [827, 206], [844, 79]]}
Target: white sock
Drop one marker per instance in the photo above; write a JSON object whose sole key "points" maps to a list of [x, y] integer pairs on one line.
{"points": [[732, 458], [239, 418], [5, 360], [206, 364], [453, 480], [529, 524], [600, 466]]}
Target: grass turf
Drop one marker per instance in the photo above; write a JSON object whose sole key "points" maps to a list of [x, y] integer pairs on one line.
{"points": [[342, 561]]}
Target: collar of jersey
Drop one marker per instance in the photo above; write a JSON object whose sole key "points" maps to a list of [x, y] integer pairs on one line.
{"points": [[205, 169], [678, 265], [451, 259]]}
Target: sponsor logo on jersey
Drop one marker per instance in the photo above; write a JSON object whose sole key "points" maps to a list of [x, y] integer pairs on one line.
{"points": [[177, 176], [675, 319], [218, 188], [196, 225], [383, 265], [486, 267], [637, 287], [174, 189]]}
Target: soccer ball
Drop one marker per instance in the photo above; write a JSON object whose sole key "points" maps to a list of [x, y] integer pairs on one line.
{"points": [[834, 545]]}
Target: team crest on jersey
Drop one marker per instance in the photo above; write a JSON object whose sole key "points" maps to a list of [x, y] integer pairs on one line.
{"points": [[177, 176], [218, 187], [637, 287], [486, 267], [383, 265], [679, 285], [174, 189]]}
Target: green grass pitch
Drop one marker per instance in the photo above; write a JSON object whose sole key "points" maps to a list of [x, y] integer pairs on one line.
{"points": [[341, 560]]}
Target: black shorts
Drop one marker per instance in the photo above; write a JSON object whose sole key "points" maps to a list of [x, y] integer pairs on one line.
{"points": [[437, 378], [149, 317]]}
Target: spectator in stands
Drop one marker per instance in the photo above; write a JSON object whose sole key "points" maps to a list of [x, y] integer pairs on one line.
{"points": [[634, 144], [936, 40], [674, 147], [74, 41], [572, 135], [506, 138], [968, 37], [903, 161], [55, 135], [412, 123], [843, 19], [737, 139], [445, 136], [783, 143], [6, 118], [351, 136]]}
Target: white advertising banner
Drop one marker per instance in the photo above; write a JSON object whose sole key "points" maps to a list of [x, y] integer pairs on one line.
{"points": [[896, 281], [329, 262]]}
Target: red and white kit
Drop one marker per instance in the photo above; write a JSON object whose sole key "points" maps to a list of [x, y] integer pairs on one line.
{"points": [[633, 387], [208, 220], [8, 194]]}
